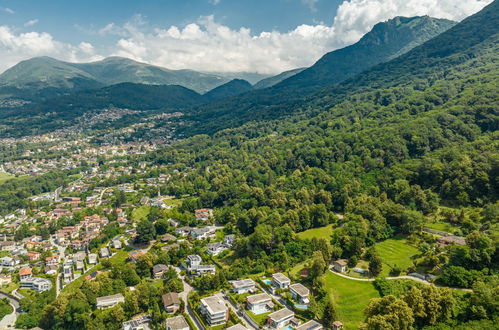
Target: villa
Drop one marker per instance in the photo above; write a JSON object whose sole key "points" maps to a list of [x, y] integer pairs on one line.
{"points": [[243, 286], [300, 293], [280, 319], [259, 303], [215, 310], [280, 281]]}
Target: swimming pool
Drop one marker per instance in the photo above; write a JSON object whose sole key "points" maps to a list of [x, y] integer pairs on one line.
{"points": [[261, 311], [301, 306], [288, 328], [268, 282]]}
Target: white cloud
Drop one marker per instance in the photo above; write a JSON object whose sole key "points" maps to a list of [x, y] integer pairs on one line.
{"points": [[215, 2], [15, 47], [8, 10], [207, 45], [31, 22], [210, 46]]}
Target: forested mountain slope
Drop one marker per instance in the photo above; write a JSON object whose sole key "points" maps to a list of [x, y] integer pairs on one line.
{"points": [[456, 45]]}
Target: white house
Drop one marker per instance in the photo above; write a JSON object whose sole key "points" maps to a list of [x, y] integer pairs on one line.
{"points": [[243, 286], [36, 283], [259, 303], [215, 310], [110, 301], [280, 281], [280, 319], [300, 293], [215, 249]]}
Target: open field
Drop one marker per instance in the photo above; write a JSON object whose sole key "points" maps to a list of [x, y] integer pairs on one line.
{"points": [[141, 213], [5, 176], [322, 232], [350, 297], [395, 251]]}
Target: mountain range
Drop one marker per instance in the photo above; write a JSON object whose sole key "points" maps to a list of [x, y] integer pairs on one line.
{"points": [[229, 104], [46, 77]]}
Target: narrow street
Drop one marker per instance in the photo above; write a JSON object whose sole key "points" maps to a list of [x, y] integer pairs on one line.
{"points": [[183, 295]]}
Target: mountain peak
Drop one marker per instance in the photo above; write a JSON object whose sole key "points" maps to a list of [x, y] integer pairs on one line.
{"points": [[384, 42]]}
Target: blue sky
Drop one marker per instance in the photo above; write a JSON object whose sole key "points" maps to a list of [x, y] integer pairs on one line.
{"points": [[263, 36], [71, 21]]}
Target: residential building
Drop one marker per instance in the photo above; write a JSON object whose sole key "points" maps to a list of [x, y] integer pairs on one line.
{"points": [[340, 265], [202, 233], [259, 303], [177, 323], [215, 249], [237, 327], [300, 293], [117, 244], [110, 301], [280, 319], [243, 286], [140, 323], [171, 302], [310, 325], [229, 240], [203, 214], [25, 273], [33, 255], [36, 283], [215, 310], [8, 262], [135, 255], [183, 231], [280, 281], [7, 245], [193, 260], [5, 279], [158, 270], [92, 258], [104, 252]]}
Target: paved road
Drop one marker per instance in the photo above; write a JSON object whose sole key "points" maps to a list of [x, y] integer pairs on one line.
{"points": [[10, 320], [62, 254], [183, 295], [403, 277], [234, 309]]}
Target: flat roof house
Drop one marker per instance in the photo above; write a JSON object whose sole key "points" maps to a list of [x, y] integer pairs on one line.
{"points": [[141, 323], [171, 302], [300, 293], [214, 309], [280, 319], [243, 286], [36, 283], [177, 323], [110, 301], [280, 280], [310, 325], [237, 327], [259, 303]]}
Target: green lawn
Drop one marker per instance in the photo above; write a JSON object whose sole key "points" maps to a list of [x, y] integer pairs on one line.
{"points": [[322, 232], [173, 202], [350, 297], [9, 287], [441, 226], [295, 271], [5, 176], [5, 308], [141, 213], [395, 251], [260, 318]]}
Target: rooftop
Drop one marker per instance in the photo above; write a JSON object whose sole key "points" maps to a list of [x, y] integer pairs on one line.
{"points": [[177, 322], [280, 277], [281, 314], [214, 304], [310, 325], [258, 298], [300, 289]]}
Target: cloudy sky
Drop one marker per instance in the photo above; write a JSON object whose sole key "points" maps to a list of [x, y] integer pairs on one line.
{"points": [[264, 36]]}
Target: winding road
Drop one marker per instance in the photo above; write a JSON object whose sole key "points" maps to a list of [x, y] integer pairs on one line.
{"points": [[10, 320]]}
